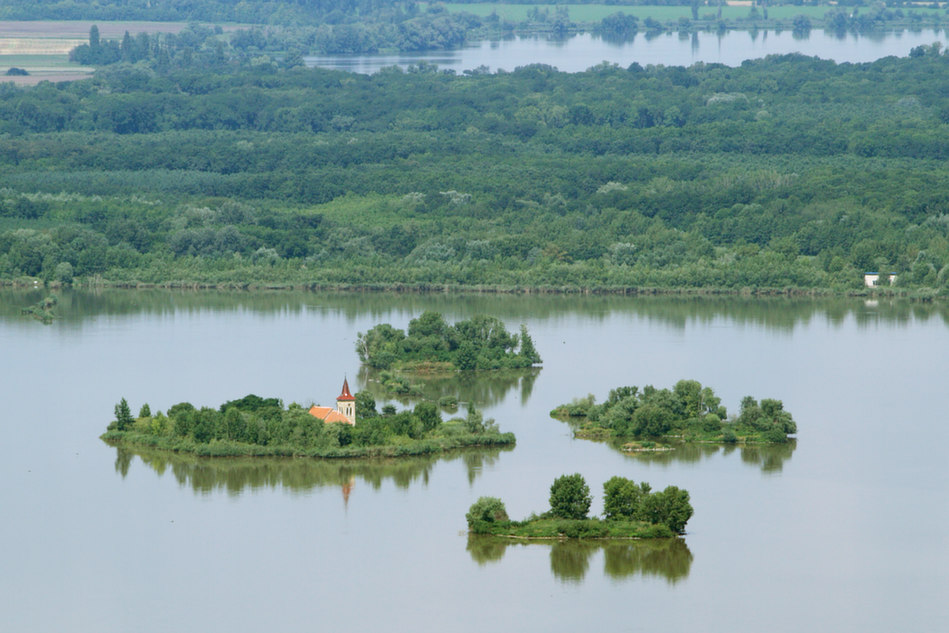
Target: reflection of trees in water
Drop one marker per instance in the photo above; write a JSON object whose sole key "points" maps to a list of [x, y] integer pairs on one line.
{"points": [[235, 475], [774, 312], [570, 559], [770, 457], [484, 388]]}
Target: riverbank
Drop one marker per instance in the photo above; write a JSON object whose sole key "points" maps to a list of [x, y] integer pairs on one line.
{"points": [[223, 448], [918, 294], [547, 529]]}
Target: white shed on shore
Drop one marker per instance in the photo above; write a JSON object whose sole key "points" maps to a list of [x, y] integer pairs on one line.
{"points": [[873, 279]]}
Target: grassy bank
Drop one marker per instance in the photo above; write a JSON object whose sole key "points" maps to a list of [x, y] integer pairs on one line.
{"points": [[555, 529], [224, 448]]}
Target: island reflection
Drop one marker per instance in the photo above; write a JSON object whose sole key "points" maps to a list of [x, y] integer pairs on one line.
{"points": [[669, 559], [776, 313], [769, 457], [205, 475], [483, 388]]}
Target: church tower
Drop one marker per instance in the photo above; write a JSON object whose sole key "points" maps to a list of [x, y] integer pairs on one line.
{"points": [[346, 403]]}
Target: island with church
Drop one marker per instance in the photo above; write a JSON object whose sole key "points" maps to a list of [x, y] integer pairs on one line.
{"points": [[255, 426]]}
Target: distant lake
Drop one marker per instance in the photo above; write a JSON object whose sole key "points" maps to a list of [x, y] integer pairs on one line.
{"points": [[671, 49]]}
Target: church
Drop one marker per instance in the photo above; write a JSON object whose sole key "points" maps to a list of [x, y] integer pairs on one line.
{"points": [[345, 411]]}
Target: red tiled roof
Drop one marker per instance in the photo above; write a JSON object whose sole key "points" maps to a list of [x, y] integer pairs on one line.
{"points": [[345, 395], [336, 416], [328, 414], [320, 412]]}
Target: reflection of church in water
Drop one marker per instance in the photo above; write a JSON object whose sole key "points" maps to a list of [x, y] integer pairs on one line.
{"points": [[348, 488]]}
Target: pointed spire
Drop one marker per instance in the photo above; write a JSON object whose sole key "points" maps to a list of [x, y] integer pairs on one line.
{"points": [[345, 395]]}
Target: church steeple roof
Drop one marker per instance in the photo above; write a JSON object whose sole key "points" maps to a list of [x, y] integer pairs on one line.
{"points": [[345, 395]]}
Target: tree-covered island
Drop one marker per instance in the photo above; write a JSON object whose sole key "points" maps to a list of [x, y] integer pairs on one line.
{"points": [[255, 426], [432, 345], [654, 418], [629, 511]]}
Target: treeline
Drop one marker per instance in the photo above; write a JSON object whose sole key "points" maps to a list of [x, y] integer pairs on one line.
{"points": [[210, 47], [788, 172], [629, 510], [263, 426], [481, 342], [688, 412], [244, 11]]}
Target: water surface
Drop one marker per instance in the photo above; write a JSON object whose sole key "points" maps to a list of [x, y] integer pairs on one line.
{"points": [[583, 51], [843, 530]]}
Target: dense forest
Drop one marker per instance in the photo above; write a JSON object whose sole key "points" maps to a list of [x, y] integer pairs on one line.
{"points": [[787, 172]]}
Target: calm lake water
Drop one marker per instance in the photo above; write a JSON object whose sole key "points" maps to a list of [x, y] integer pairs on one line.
{"points": [[844, 530], [670, 49]]}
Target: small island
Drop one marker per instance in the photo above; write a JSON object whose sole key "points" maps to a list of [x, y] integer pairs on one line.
{"points": [[654, 419], [629, 511], [432, 346], [255, 426]]}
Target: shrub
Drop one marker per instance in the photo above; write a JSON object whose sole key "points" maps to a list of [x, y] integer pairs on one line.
{"points": [[484, 512]]}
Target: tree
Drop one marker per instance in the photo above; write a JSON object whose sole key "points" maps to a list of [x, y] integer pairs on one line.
{"points": [[670, 507], [427, 414], [485, 511], [474, 421], [145, 411], [466, 359], [570, 497], [622, 498], [365, 405], [528, 351], [94, 36], [123, 415]]}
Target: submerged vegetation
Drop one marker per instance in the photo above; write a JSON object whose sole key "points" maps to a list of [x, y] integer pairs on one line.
{"points": [[630, 511], [255, 426], [43, 310], [432, 345], [687, 413]]}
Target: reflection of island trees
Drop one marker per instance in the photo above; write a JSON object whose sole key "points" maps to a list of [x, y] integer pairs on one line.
{"points": [[769, 457], [570, 559], [780, 313], [484, 388], [236, 475]]}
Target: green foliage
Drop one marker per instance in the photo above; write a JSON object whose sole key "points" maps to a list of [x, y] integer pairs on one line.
{"points": [[630, 510], [123, 416], [711, 177], [485, 512], [262, 426], [475, 423], [689, 412], [570, 497], [427, 415], [670, 507], [622, 498], [479, 343], [145, 411]]}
